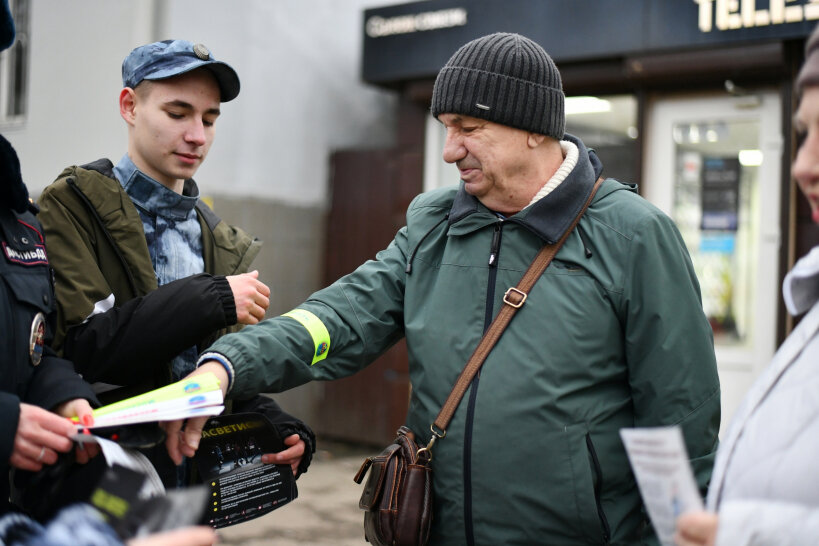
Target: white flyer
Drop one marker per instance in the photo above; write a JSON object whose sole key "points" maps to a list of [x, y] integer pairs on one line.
{"points": [[660, 463], [129, 458]]}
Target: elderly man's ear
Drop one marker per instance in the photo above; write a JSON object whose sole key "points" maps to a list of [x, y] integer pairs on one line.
{"points": [[535, 140]]}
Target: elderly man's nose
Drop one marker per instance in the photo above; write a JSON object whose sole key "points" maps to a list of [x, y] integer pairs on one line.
{"points": [[453, 149]]}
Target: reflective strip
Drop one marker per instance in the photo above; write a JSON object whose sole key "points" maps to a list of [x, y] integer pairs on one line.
{"points": [[316, 328]]}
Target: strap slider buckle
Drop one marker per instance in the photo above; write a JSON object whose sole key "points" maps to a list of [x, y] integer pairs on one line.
{"points": [[514, 291]]}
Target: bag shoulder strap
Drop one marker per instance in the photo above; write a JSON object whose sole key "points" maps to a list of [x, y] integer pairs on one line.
{"points": [[513, 299]]}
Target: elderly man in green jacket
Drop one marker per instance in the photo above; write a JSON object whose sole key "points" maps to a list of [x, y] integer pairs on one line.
{"points": [[612, 335]]}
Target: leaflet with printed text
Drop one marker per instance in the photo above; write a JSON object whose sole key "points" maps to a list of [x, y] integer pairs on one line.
{"points": [[229, 459], [194, 396], [660, 463]]}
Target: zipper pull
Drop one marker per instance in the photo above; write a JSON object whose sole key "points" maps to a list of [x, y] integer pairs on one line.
{"points": [[493, 252]]}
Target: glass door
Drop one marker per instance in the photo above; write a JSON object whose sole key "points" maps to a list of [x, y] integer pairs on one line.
{"points": [[713, 164]]}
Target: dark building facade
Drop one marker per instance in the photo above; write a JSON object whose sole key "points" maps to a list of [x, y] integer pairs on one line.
{"points": [[691, 99]]}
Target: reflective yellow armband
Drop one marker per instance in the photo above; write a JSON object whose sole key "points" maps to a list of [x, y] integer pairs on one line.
{"points": [[316, 328]]}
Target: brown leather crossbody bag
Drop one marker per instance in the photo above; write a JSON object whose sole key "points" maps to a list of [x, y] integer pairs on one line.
{"points": [[397, 498]]}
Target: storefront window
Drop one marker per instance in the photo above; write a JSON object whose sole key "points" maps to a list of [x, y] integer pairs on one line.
{"points": [[715, 207], [608, 124]]}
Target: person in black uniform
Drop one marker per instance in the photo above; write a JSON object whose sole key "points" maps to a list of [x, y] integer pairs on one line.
{"points": [[38, 390], [34, 380]]}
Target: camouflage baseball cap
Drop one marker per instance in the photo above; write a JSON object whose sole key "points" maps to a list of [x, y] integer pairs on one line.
{"points": [[169, 58]]}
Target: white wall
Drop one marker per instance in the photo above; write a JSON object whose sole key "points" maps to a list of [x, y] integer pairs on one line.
{"points": [[74, 81], [301, 99]]}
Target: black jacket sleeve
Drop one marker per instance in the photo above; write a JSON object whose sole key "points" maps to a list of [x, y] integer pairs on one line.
{"points": [[54, 381], [10, 408], [285, 424], [124, 344]]}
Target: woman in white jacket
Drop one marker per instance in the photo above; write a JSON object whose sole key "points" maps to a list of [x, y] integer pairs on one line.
{"points": [[765, 485]]}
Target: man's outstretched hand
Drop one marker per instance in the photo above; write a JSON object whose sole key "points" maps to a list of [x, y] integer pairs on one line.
{"points": [[182, 436]]}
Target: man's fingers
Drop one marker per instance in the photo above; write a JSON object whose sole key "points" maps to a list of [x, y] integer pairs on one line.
{"points": [[191, 435], [295, 443], [252, 300], [172, 430], [290, 456], [262, 301], [258, 298], [183, 442], [263, 289]]}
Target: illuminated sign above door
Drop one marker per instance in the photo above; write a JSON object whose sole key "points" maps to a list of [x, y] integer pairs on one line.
{"points": [[413, 41], [722, 15]]}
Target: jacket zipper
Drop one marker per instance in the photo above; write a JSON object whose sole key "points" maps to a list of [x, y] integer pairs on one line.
{"points": [[494, 253], [495, 248], [598, 485]]}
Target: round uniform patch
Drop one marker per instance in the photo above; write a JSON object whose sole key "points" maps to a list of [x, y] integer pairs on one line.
{"points": [[36, 341], [321, 349]]}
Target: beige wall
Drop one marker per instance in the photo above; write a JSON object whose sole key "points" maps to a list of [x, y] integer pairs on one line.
{"points": [[290, 263]]}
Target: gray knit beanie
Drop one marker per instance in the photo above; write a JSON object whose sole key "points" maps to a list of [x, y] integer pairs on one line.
{"points": [[504, 78]]}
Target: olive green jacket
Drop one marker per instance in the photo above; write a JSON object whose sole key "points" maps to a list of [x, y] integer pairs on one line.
{"points": [[98, 250]]}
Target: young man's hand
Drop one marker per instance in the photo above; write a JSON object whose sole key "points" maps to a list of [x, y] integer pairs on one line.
{"points": [[292, 455], [252, 297], [184, 442]]}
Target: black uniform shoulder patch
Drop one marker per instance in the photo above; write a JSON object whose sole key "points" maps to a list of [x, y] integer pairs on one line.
{"points": [[26, 249]]}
